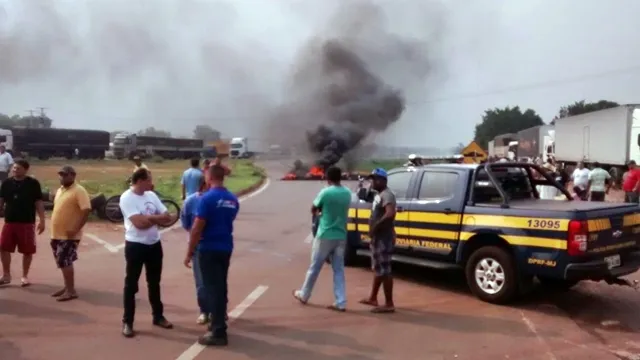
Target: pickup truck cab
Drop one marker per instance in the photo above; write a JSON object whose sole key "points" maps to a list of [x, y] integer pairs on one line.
{"points": [[489, 221]]}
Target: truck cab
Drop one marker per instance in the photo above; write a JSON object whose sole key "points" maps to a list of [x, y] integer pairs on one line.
{"points": [[489, 221], [239, 148], [124, 144], [6, 139]]}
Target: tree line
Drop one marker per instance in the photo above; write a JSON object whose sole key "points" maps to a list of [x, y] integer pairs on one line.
{"points": [[204, 132], [508, 120]]}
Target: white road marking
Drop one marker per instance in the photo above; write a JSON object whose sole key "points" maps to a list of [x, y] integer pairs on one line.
{"points": [[106, 245], [195, 349], [542, 341]]}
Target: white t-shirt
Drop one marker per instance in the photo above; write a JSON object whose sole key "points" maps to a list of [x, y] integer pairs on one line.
{"points": [[5, 161], [581, 177], [598, 179], [147, 204]]}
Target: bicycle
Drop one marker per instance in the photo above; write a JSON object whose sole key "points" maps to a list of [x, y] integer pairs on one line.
{"points": [[113, 213]]}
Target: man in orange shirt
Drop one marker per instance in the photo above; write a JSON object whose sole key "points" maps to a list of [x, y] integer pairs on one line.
{"points": [[630, 184], [71, 209]]}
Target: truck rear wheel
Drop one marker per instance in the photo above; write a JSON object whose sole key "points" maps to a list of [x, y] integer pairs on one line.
{"points": [[492, 275]]}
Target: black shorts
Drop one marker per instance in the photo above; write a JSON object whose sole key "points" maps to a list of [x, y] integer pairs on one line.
{"points": [[597, 196], [65, 252]]}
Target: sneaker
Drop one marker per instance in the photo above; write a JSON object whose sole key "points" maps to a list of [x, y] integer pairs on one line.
{"points": [[203, 319], [209, 339], [163, 323], [127, 331]]}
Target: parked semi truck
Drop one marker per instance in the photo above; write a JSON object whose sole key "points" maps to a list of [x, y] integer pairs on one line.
{"points": [[240, 148], [536, 141], [505, 146], [219, 148], [45, 143], [610, 137], [128, 145]]}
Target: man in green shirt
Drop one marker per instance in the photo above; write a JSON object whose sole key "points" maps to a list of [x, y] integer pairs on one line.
{"points": [[332, 205], [599, 182]]}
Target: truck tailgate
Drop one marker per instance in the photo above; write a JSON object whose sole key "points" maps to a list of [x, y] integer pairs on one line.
{"points": [[613, 231]]}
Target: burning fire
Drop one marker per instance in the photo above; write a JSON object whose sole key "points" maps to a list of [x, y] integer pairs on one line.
{"points": [[315, 172]]}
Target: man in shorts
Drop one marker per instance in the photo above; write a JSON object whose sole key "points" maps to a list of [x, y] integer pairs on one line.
{"points": [[21, 198], [71, 209], [383, 238]]}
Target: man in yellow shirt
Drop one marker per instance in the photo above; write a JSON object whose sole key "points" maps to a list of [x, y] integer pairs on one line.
{"points": [[71, 209], [139, 164]]}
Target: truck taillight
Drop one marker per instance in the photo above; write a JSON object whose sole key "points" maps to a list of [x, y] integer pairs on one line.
{"points": [[577, 240]]}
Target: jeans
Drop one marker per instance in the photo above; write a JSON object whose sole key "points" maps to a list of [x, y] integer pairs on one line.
{"points": [[321, 250], [631, 197], [150, 256], [201, 294], [215, 270]]}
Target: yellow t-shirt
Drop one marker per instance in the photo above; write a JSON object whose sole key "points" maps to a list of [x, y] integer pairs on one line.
{"points": [[69, 205], [142, 166]]}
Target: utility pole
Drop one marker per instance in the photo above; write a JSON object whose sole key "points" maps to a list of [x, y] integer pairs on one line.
{"points": [[42, 117], [42, 109]]}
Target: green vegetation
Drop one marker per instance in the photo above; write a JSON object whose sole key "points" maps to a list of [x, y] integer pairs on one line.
{"points": [[368, 165], [109, 177]]}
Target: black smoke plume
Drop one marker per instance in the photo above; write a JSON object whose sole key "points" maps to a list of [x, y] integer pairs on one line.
{"points": [[356, 106]]}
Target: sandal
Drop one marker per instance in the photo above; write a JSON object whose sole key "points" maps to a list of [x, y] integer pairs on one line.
{"points": [[298, 297], [67, 297], [368, 302], [59, 293], [24, 283], [5, 281], [383, 310], [335, 308]]}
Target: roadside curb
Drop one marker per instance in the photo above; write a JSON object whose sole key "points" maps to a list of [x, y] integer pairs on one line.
{"points": [[254, 187]]}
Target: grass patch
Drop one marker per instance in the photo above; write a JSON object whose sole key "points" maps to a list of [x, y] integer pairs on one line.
{"points": [[109, 177]]}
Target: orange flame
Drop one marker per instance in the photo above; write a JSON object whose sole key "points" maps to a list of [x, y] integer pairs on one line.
{"points": [[316, 171]]}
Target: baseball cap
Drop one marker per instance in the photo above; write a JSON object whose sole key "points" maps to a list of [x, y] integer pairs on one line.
{"points": [[67, 169], [378, 172]]}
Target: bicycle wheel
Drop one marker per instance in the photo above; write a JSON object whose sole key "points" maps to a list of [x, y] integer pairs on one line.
{"points": [[112, 209], [174, 209]]}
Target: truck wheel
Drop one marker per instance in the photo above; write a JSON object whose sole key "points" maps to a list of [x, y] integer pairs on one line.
{"points": [[491, 275], [557, 284]]}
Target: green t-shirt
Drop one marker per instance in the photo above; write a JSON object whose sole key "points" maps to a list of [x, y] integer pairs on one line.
{"points": [[333, 202]]}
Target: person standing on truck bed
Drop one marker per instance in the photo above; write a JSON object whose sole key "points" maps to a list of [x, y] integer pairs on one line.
{"points": [[580, 176], [330, 240], [6, 161], [599, 182], [383, 238], [631, 182]]}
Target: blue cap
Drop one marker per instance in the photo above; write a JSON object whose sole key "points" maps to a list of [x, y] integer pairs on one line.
{"points": [[378, 172]]}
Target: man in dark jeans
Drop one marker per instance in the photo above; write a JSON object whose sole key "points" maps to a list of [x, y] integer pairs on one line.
{"points": [[212, 236], [143, 212]]}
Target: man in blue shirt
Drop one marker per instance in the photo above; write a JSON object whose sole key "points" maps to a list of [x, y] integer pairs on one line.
{"points": [[212, 236], [191, 179], [187, 216]]}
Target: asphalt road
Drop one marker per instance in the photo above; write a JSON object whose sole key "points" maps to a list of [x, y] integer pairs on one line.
{"points": [[437, 318]]}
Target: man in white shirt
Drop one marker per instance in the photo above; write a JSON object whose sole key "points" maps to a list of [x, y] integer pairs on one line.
{"points": [[580, 176], [599, 182], [143, 212], [6, 161]]}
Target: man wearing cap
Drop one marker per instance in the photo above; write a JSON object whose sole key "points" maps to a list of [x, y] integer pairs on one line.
{"points": [[631, 182], [383, 238], [71, 209], [139, 164]]}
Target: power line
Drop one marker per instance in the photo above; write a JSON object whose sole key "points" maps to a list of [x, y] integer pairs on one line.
{"points": [[530, 86]]}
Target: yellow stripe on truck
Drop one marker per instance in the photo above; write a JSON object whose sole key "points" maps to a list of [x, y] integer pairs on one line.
{"points": [[596, 225], [516, 222], [631, 220], [525, 241]]}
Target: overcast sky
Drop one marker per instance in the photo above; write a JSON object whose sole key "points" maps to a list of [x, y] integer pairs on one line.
{"points": [[126, 65]]}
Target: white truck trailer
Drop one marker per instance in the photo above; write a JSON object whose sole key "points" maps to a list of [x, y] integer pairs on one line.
{"points": [[610, 137]]}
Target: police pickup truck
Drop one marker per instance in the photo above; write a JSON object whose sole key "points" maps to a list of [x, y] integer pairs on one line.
{"points": [[489, 221]]}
